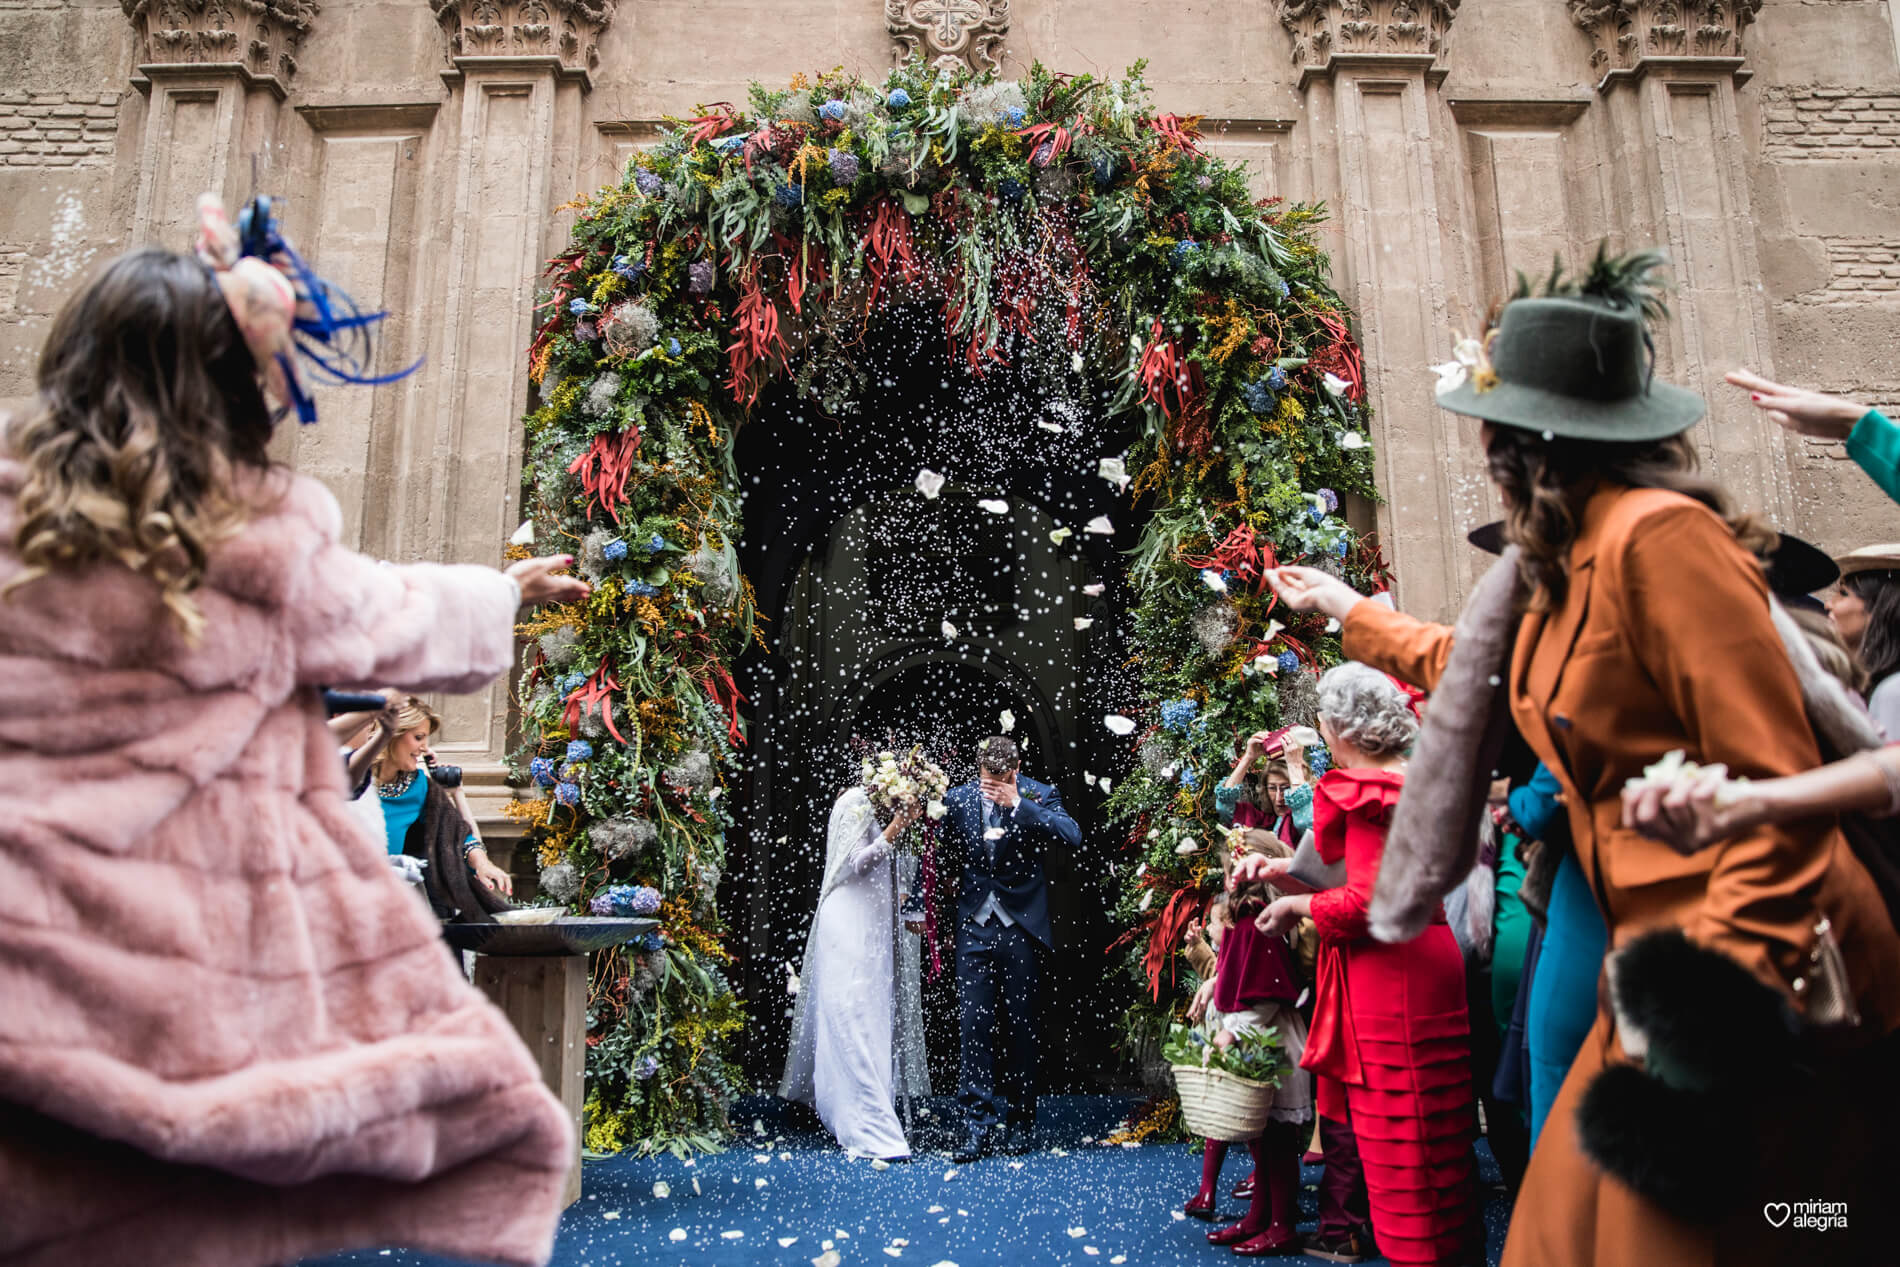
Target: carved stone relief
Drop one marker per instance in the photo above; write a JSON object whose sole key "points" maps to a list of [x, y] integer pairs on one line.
{"points": [[566, 29], [261, 35], [1324, 29], [1627, 31], [949, 33]]}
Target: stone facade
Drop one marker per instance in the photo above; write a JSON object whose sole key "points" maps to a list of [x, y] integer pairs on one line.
{"points": [[426, 148]]}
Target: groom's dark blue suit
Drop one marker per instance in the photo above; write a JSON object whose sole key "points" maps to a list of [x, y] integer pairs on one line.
{"points": [[1002, 924]]}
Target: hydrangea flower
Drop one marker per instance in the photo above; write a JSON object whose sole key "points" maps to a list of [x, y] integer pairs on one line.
{"points": [[699, 277], [579, 307], [1289, 662], [658, 543], [1189, 779], [572, 682], [645, 1067], [1285, 289], [614, 551], [640, 589], [844, 166], [568, 794], [1179, 714], [1010, 189], [899, 99], [630, 266], [1330, 499], [1276, 379], [648, 183], [832, 111], [730, 144], [1044, 153], [1183, 249], [1317, 513], [562, 881], [1258, 396], [1339, 547], [579, 750], [1014, 116], [1104, 169], [541, 770], [1319, 760], [672, 347], [586, 329], [653, 941], [789, 195], [644, 900]]}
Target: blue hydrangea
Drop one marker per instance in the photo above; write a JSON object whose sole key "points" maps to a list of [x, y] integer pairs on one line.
{"points": [[1104, 169], [648, 183], [541, 770], [630, 266], [605, 902], [1289, 662], [640, 589], [1329, 499], [571, 683], [657, 544], [672, 347], [729, 144], [1010, 189], [1014, 116], [1319, 760], [653, 941], [1184, 249], [579, 750], [1189, 779], [1179, 714], [645, 1067], [1340, 547], [644, 900], [844, 167], [832, 111], [1285, 289], [1259, 397], [614, 551], [1276, 379], [899, 99], [1317, 513], [580, 307], [789, 195], [568, 793]]}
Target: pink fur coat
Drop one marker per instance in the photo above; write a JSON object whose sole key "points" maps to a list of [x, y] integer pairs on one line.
{"points": [[228, 1033]]}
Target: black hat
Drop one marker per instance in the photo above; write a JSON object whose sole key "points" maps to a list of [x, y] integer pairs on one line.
{"points": [[1798, 568], [1488, 537]]}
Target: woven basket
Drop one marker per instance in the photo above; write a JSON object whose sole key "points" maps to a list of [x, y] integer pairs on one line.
{"points": [[1221, 1105]]}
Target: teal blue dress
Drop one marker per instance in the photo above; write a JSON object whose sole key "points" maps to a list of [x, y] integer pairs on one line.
{"points": [[1874, 444], [400, 812]]}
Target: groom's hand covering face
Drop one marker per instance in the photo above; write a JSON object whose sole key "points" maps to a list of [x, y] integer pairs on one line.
{"points": [[1000, 788]]}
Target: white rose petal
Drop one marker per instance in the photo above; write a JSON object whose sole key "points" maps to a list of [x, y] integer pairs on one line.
{"points": [[1095, 590], [1188, 846], [894, 1251], [1083, 622], [949, 630], [1177, 1214], [662, 1191], [936, 809], [1078, 1232], [831, 1258], [1047, 425], [760, 1183], [1100, 526], [677, 1234], [1119, 1259], [1336, 385], [736, 1233], [1115, 471], [1212, 579], [995, 505], [1105, 787], [1450, 375], [1118, 725], [1333, 625], [786, 1242], [995, 833], [610, 1214], [880, 1164], [696, 1191], [1351, 440], [929, 483], [1088, 778], [1090, 1250], [1147, 900], [1467, 351], [1060, 535], [1007, 720], [524, 535], [950, 1174], [1075, 362], [761, 1158]]}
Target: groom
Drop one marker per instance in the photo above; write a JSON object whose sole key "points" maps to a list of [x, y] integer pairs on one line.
{"points": [[999, 826]]}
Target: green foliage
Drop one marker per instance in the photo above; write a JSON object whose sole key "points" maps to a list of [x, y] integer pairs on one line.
{"points": [[1060, 214], [1255, 1055]]}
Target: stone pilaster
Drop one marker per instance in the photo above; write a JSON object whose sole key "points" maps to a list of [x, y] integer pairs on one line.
{"points": [[215, 71], [1675, 175], [1369, 73], [948, 33], [564, 34]]}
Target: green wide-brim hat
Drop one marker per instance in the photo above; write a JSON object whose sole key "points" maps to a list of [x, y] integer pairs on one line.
{"points": [[1577, 368]]}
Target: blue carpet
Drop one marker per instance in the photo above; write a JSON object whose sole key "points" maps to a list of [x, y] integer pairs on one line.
{"points": [[785, 1194]]}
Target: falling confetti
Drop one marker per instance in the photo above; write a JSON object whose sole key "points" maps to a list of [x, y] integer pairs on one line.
{"points": [[1060, 535], [610, 1214], [1119, 725], [1007, 720], [662, 1190], [1096, 590], [786, 1242], [995, 505], [949, 630], [1083, 622], [929, 483], [1078, 1232], [1100, 526], [524, 535], [677, 1234]]}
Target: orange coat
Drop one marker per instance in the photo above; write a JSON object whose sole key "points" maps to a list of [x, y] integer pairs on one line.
{"points": [[1662, 641]]}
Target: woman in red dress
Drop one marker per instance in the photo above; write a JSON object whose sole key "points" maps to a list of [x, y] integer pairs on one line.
{"points": [[1390, 1039]]}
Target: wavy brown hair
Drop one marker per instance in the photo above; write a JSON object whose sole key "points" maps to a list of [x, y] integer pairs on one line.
{"points": [[1545, 483], [149, 405]]}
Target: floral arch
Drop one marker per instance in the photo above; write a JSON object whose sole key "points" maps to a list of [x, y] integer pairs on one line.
{"points": [[1058, 224]]}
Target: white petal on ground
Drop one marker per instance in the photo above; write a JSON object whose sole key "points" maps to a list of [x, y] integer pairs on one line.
{"points": [[786, 1242], [880, 1164], [1118, 725], [1078, 1232], [929, 483], [949, 1175], [995, 505], [1083, 622], [662, 1191], [949, 630], [830, 1258], [677, 1234], [1100, 526], [736, 1233], [610, 1214], [524, 535], [1007, 720]]}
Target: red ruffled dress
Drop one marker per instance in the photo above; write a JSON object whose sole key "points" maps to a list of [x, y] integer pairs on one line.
{"points": [[1390, 1039]]}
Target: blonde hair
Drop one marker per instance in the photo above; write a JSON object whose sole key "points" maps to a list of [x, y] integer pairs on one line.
{"points": [[411, 713]]}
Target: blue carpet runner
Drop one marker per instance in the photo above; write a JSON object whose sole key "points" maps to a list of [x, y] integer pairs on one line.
{"points": [[785, 1194]]}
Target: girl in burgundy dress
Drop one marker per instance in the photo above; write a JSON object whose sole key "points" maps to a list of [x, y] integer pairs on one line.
{"points": [[1390, 1038]]}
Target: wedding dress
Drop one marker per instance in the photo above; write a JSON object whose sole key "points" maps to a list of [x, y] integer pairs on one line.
{"points": [[857, 1048]]}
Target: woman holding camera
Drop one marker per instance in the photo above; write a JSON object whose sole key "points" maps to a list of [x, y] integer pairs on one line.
{"points": [[421, 803]]}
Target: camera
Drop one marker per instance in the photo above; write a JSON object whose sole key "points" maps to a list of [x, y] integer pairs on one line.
{"points": [[443, 775]]}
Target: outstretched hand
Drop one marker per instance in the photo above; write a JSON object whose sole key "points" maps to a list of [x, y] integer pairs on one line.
{"points": [[1309, 589], [1799, 410], [539, 584]]}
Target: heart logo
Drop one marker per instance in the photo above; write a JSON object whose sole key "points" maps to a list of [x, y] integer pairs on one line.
{"points": [[1776, 1212]]}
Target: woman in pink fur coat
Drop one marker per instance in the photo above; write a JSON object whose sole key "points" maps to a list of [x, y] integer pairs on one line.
{"points": [[227, 1034]]}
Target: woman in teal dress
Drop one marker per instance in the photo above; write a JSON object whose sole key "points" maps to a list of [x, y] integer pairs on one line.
{"points": [[401, 783]]}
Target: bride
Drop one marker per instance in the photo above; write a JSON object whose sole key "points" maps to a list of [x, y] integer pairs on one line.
{"points": [[857, 1031]]}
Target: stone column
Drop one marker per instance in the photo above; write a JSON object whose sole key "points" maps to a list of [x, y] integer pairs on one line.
{"points": [[1370, 72], [215, 73], [517, 70], [1675, 173]]}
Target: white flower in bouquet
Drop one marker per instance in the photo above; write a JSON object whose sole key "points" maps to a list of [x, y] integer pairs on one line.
{"points": [[936, 810]]}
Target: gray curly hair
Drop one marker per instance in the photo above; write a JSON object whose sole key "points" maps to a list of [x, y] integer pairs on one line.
{"points": [[1366, 710]]}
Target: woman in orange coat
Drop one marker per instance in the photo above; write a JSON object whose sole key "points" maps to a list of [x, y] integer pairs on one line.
{"points": [[1390, 1041], [1646, 627]]}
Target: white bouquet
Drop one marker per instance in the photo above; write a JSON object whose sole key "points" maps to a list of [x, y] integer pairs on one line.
{"points": [[891, 780], [1675, 771]]}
